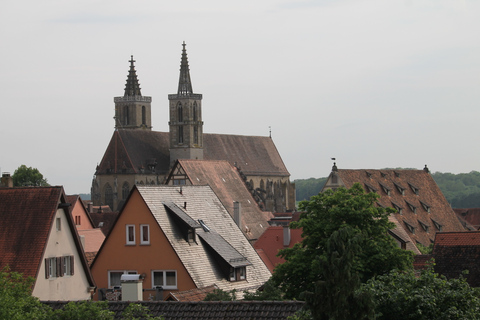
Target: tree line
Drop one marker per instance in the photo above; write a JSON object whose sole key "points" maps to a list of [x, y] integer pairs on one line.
{"points": [[461, 190]]}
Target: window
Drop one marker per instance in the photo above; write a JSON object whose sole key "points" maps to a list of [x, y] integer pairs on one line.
{"points": [[77, 220], [58, 267], [195, 135], [50, 268], [180, 112], [109, 196], [67, 265], [167, 279], [178, 182], [237, 274], [144, 116], [195, 115], [130, 234], [59, 224], [115, 276], [144, 234], [125, 114], [180, 134]]}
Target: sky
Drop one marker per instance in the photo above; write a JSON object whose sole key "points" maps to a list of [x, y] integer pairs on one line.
{"points": [[374, 84]]}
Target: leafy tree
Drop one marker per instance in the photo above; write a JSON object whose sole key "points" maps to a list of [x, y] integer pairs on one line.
{"points": [[16, 301], [336, 296], [403, 295], [327, 213], [84, 310], [268, 292], [28, 176], [221, 295], [138, 311]]}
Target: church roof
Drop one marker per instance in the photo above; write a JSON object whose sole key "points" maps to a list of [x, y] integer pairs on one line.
{"points": [[184, 83], [421, 208], [132, 88], [131, 151]]}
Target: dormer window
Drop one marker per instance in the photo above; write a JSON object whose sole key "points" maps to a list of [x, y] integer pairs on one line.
{"points": [[437, 225], [400, 189], [425, 206], [397, 174], [383, 174], [412, 207], [370, 188], [424, 226], [385, 189], [397, 207], [414, 189], [409, 227], [368, 174]]}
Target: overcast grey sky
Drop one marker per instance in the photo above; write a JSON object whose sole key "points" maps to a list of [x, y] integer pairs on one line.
{"points": [[373, 83]]}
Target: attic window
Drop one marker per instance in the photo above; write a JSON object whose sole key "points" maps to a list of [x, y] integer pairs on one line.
{"points": [[383, 174], [385, 189], [412, 207], [424, 226], [414, 189], [368, 174], [397, 174], [425, 206], [370, 188], [237, 274], [437, 225], [397, 207], [400, 189], [59, 224], [409, 227]]}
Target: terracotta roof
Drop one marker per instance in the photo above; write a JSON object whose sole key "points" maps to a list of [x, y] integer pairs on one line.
{"points": [[90, 256], [455, 252], [93, 239], [208, 310], [104, 221], [470, 215], [131, 150], [197, 294], [26, 216], [271, 241], [203, 204], [422, 210], [227, 184], [402, 236]]}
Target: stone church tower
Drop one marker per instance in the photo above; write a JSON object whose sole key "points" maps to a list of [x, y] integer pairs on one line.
{"points": [[186, 125], [133, 111]]}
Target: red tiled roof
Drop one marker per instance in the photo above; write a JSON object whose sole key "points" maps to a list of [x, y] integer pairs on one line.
{"points": [[108, 219], [26, 216], [197, 294], [271, 241], [466, 238], [130, 150], [93, 239], [470, 215], [420, 195]]}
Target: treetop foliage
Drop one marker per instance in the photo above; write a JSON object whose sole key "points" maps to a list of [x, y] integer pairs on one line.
{"points": [[28, 176]]}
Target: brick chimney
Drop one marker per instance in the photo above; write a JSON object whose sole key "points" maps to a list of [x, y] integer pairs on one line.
{"points": [[7, 180]]}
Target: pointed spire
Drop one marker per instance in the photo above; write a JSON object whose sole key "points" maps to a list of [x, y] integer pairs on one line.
{"points": [[184, 84], [132, 88]]}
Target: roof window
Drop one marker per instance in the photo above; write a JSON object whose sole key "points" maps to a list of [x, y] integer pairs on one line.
{"points": [[424, 226], [385, 189], [409, 227], [383, 174], [414, 189], [397, 174], [412, 207], [425, 206], [400, 189], [397, 207], [370, 188], [368, 174], [437, 225]]}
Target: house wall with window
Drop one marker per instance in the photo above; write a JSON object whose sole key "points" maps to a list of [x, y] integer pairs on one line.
{"points": [[61, 275], [80, 216], [136, 244]]}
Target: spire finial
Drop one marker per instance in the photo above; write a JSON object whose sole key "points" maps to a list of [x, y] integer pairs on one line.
{"points": [[184, 83], [132, 88], [334, 168]]}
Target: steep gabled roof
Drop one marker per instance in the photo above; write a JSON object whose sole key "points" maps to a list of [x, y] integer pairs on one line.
{"points": [[422, 210], [226, 182], [27, 216], [469, 216], [76, 200], [455, 252], [202, 259], [131, 151]]}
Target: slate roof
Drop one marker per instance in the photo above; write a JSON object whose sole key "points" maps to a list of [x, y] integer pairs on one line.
{"points": [[226, 182], [455, 252], [422, 210], [208, 310], [201, 264], [26, 216], [197, 294], [129, 151]]}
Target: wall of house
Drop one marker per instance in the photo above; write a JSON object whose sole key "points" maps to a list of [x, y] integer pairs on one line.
{"points": [[79, 215], [68, 287], [116, 255]]}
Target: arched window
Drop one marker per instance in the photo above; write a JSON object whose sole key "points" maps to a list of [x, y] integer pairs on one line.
{"points": [[180, 112], [262, 185], [109, 196], [180, 134], [144, 116], [195, 115], [125, 190], [195, 135], [125, 115]]}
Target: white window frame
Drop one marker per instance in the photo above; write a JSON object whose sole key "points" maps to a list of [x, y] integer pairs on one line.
{"points": [[118, 271], [127, 233], [142, 241], [238, 274], [164, 286], [52, 268]]}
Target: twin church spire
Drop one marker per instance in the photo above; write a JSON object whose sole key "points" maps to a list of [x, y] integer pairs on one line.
{"points": [[133, 111]]}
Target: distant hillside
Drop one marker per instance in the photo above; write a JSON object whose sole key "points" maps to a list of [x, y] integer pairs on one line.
{"points": [[461, 190], [85, 196]]}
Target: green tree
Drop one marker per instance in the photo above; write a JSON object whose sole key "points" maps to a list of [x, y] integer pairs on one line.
{"points": [[138, 311], [28, 176], [404, 295], [221, 295], [84, 310], [331, 211], [16, 301], [268, 292]]}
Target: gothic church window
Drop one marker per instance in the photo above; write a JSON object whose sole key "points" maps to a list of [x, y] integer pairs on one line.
{"points": [[180, 134], [195, 116], [125, 114], [180, 112], [144, 115], [125, 190], [195, 135]]}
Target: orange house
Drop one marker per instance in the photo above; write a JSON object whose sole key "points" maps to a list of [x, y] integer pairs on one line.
{"points": [[177, 239]]}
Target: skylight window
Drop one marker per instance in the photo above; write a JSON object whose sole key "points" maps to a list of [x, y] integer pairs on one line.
{"points": [[425, 206], [397, 207], [409, 227], [412, 207]]}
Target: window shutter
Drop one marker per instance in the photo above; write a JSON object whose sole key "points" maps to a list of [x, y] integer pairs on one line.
{"points": [[47, 268], [59, 266], [71, 265]]}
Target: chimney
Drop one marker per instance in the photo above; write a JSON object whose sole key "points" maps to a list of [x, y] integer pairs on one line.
{"points": [[237, 214], [286, 236], [90, 207], [7, 180]]}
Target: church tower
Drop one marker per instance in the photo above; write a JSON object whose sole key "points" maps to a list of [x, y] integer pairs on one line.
{"points": [[133, 111], [186, 125]]}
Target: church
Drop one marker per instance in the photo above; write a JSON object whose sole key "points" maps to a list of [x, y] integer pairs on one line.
{"points": [[137, 155]]}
